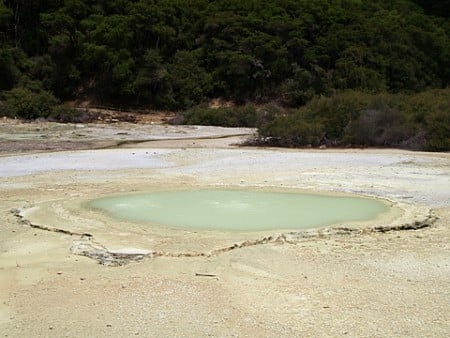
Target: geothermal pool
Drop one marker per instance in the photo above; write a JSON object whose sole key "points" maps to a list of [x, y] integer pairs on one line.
{"points": [[238, 210]]}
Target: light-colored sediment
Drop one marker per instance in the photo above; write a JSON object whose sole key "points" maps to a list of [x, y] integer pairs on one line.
{"points": [[348, 280]]}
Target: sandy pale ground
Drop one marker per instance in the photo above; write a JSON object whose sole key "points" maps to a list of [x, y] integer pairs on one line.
{"points": [[329, 283]]}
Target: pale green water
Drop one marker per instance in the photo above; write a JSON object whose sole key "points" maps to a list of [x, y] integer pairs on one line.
{"points": [[238, 210]]}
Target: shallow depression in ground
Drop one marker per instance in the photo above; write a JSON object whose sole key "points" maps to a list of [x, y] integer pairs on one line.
{"points": [[238, 209]]}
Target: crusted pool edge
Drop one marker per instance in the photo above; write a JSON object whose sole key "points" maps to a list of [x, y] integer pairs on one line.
{"points": [[88, 247]]}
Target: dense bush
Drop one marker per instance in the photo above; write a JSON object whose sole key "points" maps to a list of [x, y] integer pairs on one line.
{"points": [[33, 103], [292, 131], [430, 111], [415, 121], [25, 103], [335, 112], [378, 127], [243, 116]]}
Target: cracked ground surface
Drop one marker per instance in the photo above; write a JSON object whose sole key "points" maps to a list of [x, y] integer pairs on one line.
{"points": [[359, 283]]}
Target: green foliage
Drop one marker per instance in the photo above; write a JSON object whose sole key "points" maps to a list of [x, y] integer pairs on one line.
{"points": [[379, 127], [430, 111], [244, 51], [30, 101], [6, 15], [25, 103], [8, 69], [189, 81], [335, 112], [294, 130], [328, 59], [415, 121], [152, 83], [244, 116], [438, 8]]}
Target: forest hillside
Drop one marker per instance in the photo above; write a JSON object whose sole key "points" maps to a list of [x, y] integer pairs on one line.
{"points": [[322, 71]]}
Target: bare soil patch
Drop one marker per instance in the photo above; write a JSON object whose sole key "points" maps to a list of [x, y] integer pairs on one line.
{"points": [[392, 283]]}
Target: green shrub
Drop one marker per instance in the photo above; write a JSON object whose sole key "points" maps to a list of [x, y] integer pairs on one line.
{"points": [[438, 132], [31, 102], [378, 127], [292, 129], [245, 116], [415, 121], [430, 112], [335, 112], [27, 104]]}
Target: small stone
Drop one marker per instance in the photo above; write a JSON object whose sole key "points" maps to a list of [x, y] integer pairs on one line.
{"points": [[108, 325], [59, 272], [82, 278]]}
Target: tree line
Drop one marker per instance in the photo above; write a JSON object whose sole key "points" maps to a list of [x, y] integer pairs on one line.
{"points": [[176, 54]]}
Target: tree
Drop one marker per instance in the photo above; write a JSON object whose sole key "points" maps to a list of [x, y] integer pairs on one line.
{"points": [[190, 82]]}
